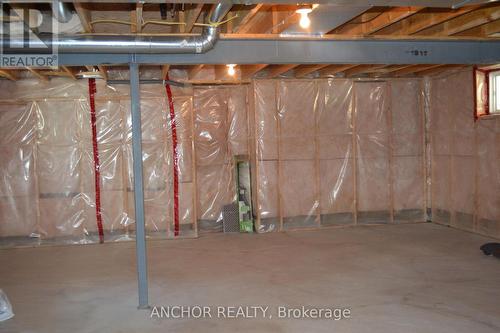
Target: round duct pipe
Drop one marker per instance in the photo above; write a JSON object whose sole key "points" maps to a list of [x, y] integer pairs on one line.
{"points": [[131, 43]]}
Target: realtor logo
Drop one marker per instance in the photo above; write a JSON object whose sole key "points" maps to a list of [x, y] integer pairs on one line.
{"points": [[27, 37]]}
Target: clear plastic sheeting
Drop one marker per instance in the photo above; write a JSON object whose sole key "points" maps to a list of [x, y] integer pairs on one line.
{"points": [[465, 158], [338, 152], [220, 129], [326, 152], [47, 177]]}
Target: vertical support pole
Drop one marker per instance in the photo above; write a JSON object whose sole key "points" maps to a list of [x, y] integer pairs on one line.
{"points": [[317, 112], [354, 152], [280, 166], [140, 240], [388, 89]]}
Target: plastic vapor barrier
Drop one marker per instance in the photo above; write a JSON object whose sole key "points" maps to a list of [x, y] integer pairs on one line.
{"points": [[326, 152], [338, 152], [465, 158]]}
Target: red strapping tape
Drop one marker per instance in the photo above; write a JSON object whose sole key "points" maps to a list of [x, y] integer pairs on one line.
{"points": [[97, 172], [173, 127]]}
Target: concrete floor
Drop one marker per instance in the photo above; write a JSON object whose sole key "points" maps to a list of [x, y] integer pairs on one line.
{"points": [[398, 278]]}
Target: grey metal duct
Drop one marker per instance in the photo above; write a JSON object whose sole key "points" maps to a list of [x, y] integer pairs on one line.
{"points": [[134, 44], [61, 11]]}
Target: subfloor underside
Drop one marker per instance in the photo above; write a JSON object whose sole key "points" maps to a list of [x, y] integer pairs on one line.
{"points": [[397, 278]]}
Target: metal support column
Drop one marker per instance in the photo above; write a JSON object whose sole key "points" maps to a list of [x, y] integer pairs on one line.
{"points": [[140, 240]]}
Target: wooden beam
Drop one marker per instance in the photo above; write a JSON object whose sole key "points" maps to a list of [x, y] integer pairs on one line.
{"points": [[104, 72], [276, 70], [379, 22], [334, 69], [136, 18], [8, 74], [364, 17], [194, 70], [388, 70], [303, 70], [221, 72], [275, 18], [361, 69], [192, 16], [182, 19], [464, 22], [164, 71], [36, 73], [283, 19], [425, 19], [438, 70], [69, 72], [413, 69], [244, 25], [484, 30], [84, 16], [250, 70]]}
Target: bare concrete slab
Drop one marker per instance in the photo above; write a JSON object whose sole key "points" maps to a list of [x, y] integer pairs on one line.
{"points": [[394, 278]]}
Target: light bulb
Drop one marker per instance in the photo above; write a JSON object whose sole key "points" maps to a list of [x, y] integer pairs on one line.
{"points": [[230, 70], [304, 22], [304, 10]]}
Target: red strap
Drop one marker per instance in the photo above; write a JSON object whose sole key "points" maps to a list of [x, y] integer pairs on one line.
{"points": [[97, 172], [173, 127]]}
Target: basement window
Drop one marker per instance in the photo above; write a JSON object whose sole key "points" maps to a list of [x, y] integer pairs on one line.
{"points": [[494, 87], [487, 92]]}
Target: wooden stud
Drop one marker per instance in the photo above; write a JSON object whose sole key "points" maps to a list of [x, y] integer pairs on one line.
{"points": [[182, 19], [103, 71], [388, 88], [164, 71], [258, 155], [84, 15], [194, 170], [123, 150], [194, 70], [192, 17], [279, 171], [136, 18], [317, 161], [426, 147], [354, 153]]}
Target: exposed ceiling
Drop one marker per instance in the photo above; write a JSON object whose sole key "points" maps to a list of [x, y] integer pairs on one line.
{"points": [[472, 19]]}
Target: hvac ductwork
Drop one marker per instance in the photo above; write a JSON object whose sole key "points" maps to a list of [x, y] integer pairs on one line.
{"points": [[136, 44], [61, 11]]}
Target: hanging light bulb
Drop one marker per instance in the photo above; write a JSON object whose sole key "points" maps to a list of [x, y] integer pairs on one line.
{"points": [[230, 69], [304, 10]]}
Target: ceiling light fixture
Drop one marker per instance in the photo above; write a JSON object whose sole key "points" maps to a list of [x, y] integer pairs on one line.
{"points": [[304, 10], [230, 69]]}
